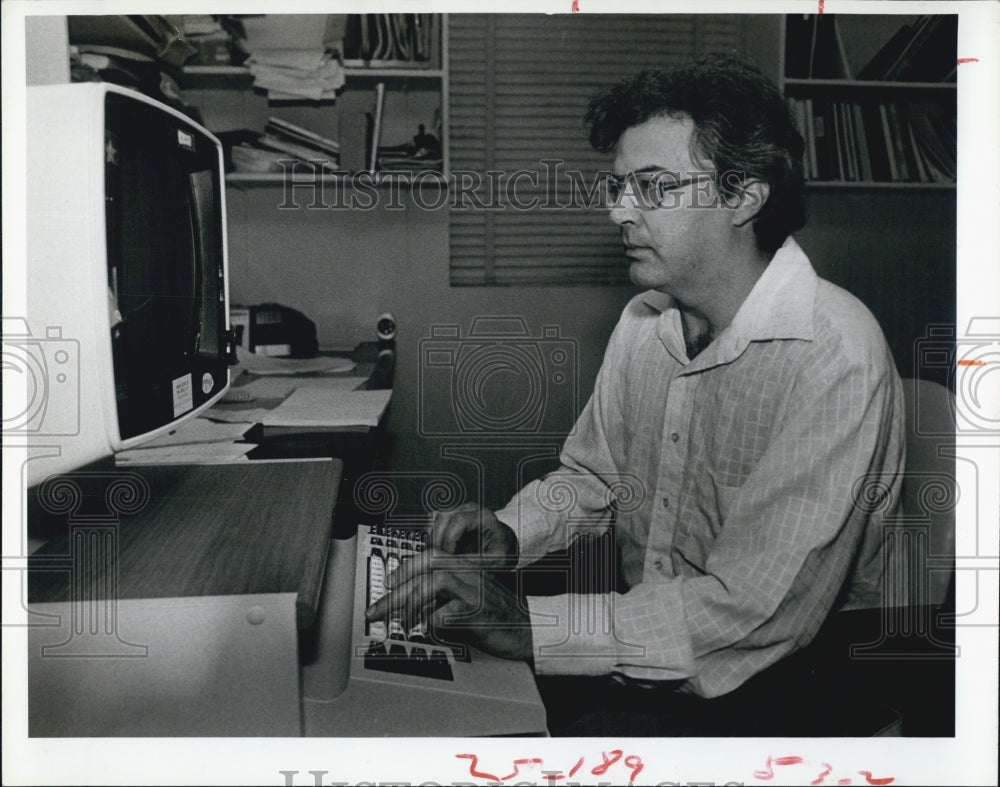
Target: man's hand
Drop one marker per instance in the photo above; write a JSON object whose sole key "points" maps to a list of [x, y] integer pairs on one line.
{"points": [[451, 582], [473, 530], [467, 603]]}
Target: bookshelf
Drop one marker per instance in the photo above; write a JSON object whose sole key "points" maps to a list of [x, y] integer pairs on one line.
{"points": [[317, 86], [874, 97]]}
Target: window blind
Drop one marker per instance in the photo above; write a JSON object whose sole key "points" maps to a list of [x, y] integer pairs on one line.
{"points": [[525, 207]]}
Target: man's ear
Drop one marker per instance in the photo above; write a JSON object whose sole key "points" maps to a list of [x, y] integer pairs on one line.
{"points": [[746, 204]]}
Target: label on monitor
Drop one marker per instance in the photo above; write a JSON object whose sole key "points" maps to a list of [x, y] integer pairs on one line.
{"points": [[183, 397]]}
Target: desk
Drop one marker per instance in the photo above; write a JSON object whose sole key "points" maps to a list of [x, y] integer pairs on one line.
{"points": [[361, 450], [170, 602]]}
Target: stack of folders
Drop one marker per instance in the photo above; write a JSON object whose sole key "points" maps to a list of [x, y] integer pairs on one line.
{"points": [[404, 39]]}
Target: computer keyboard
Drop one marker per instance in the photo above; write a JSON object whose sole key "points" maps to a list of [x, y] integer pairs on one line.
{"points": [[384, 679], [391, 647]]}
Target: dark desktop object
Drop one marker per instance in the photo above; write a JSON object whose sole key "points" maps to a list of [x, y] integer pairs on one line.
{"points": [[273, 329]]}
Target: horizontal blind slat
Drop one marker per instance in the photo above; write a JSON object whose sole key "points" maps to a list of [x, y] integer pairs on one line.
{"points": [[534, 78]]}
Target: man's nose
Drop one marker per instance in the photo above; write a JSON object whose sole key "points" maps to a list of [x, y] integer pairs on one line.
{"points": [[625, 210]]}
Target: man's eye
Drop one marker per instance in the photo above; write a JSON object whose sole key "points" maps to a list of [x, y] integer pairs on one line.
{"points": [[666, 183]]}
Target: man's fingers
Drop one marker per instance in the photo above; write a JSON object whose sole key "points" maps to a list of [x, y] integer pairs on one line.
{"points": [[417, 564], [415, 592], [437, 576], [448, 527]]}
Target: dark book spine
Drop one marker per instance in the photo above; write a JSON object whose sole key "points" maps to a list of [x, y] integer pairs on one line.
{"points": [[875, 141]]}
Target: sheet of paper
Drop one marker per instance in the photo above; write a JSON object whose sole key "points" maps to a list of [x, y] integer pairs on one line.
{"points": [[325, 407], [280, 387], [237, 414], [194, 453], [199, 430], [333, 383], [267, 387], [265, 364]]}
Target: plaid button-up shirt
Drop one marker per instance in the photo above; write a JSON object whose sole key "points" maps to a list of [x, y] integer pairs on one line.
{"points": [[740, 484]]}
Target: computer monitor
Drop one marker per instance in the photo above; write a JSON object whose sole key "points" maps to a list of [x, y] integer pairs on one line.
{"points": [[127, 331]]}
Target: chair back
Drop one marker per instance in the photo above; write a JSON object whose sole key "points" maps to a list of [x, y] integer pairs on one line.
{"points": [[929, 489]]}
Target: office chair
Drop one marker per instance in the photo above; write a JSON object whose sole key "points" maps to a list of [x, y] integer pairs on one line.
{"points": [[921, 689], [929, 492]]}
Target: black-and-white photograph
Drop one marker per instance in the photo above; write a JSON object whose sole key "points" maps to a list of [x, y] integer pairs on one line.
{"points": [[440, 395]]}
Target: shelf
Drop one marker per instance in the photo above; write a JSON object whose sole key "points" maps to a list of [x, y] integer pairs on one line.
{"points": [[871, 135], [877, 185], [869, 84], [380, 179], [195, 77]]}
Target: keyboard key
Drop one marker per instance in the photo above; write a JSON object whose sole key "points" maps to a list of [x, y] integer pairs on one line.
{"points": [[399, 661]]}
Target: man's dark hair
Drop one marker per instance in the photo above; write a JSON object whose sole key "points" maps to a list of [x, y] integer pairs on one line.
{"points": [[742, 126]]}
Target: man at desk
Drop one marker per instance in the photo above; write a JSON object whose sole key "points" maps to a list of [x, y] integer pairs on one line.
{"points": [[742, 404]]}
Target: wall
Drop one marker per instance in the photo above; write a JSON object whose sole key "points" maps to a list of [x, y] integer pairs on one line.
{"points": [[343, 268]]}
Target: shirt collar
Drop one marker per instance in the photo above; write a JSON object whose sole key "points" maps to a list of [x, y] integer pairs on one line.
{"points": [[780, 306]]}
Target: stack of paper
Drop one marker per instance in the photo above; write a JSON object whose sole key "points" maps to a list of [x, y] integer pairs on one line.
{"points": [[326, 408], [198, 441], [265, 364], [295, 74]]}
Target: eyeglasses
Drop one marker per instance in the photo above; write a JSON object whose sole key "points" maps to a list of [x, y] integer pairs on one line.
{"points": [[649, 189]]}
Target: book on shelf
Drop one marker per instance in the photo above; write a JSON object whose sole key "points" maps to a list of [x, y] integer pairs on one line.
{"points": [[813, 49], [807, 122], [403, 40], [839, 143], [898, 133], [937, 57], [299, 142], [869, 47], [861, 142], [890, 148], [303, 136], [854, 167], [918, 158], [798, 38], [876, 68], [917, 38], [933, 142], [921, 51], [302, 152], [877, 144]]}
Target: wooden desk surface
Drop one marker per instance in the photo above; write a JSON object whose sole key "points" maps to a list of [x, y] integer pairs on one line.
{"points": [[208, 530]]}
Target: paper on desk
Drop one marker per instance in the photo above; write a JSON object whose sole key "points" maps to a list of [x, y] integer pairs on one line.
{"points": [[333, 383], [199, 430], [310, 406], [236, 414], [192, 453], [266, 364], [275, 387]]}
